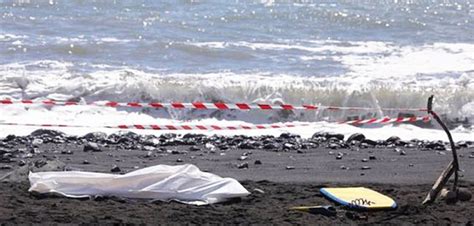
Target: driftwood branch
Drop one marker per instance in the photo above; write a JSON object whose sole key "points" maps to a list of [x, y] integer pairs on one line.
{"points": [[453, 167]]}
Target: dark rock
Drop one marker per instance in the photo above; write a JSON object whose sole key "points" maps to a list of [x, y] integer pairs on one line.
{"points": [[365, 160], [393, 140], [67, 152], [193, 136], [86, 162], [369, 142], [355, 137], [91, 146], [95, 136], [244, 165], [366, 167], [288, 136], [271, 146], [403, 153], [5, 167], [168, 136], [115, 169], [247, 145], [46, 133], [333, 146], [258, 162], [372, 157], [176, 152], [338, 157], [179, 160], [194, 148], [21, 162], [290, 168], [436, 146]]}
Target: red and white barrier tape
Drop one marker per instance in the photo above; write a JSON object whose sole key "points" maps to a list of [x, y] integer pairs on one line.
{"points": [[220, 127], [202, 106]]}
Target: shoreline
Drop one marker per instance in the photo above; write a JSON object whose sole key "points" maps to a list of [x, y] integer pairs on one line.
{"points": [[288, 169]]}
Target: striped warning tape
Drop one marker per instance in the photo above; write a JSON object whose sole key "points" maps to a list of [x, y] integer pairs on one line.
{"points": [[221, 127], [202, 106]]}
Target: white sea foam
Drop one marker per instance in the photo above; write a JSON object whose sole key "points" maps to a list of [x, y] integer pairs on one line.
{"points": [[378, 74]]}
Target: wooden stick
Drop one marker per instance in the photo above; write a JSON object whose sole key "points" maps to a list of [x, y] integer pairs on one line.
{"points": [[453, 166], [439, 184]]}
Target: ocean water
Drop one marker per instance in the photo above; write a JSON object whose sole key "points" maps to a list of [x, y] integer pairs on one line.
{"points": [[363, 53]]}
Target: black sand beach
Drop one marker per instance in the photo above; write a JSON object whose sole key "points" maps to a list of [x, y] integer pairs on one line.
{"points": [[280, 172]]}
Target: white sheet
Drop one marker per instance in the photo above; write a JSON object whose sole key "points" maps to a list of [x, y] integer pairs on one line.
{"points": [[183, 183]]}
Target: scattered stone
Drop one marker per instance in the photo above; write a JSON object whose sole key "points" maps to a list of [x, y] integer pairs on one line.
{"points": [[258, 162], [247, 153], [242, 158], [403, 153], [179, 160], [338, 157], [21, 163], [46, 133], [369, 142], [149, 154], [86, 162], [471, 156], [36, 141], [290, 167], [333, 146], [355, 137], [450, 197], [393, 140], [244, 165], [372, 157], [411, 165], [95, 136], [366, 167], [115, 169], [464, 194], [6, 167], [67, 152], [365, 160], [91, 146], [194, 148], [344, 167]]}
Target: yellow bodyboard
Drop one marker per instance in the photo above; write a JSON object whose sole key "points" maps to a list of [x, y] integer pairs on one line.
{"points": [[359, 198]]}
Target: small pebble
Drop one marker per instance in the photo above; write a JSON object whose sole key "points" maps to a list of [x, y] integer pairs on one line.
{"points": [[148, 154], [372, 157], [339, 157], [344, 167], [290, 167], [366, 167], [244, 165], [365, 160], [242, 158], [85, 162], [403, 153], [21, 163], [258, 162], [115, 169], [179, 160]]}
